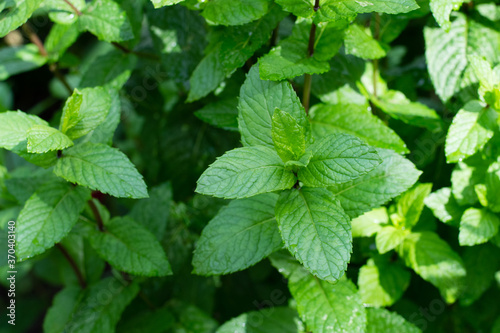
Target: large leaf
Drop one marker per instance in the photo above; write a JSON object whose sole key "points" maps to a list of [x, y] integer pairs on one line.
{"points": [[270, 320], [357, 120], [257, 103], [42, 139], [316, 231], [15, 13], [14, 127], [19, 59], [244, 172], [433, 259], [234, 12], [131, 248], [477, 226], [323, 306], [388, 180], [472, 128], [101, 168], [240, 235], [48, 216]]}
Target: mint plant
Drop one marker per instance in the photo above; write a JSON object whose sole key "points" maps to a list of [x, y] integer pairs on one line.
{"points": [[250, 166]]}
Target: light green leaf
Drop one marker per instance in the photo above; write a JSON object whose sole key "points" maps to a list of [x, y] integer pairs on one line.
{"points": [[101, 168], [485, 74], [382, 283], [491, 199], [87, 311], [15, 13], [106, 20], [338, 158], [316, 231], [441, 9], [234, 12], [111, 70], [223, 114], [388, 238], [268, 320], [433, 259], [465, 176], [388, 180], [42, 139], [357, 120], [324, 307], [288, 136], [245, 172], [14, 127], [410, 205], [382, 320], [444, 206], [19, 59], [477, 226], [84, 111], [161, 3], [239, 236], [48, 216], [131, 248], [257, 103], [61, 12], [61, 36], [359, 43], [472, 128], [369, 223]]}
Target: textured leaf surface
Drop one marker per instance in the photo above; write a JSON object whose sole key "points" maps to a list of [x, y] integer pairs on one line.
{"points": [[477, 226], [276, 319], [106, 20], [19, 59], [258, 100], [42, 139], [323, 306], [234, 12], [239, 236], [472, 128], [48, 216], [433, 259], [14, 127], [337, 159], [16, 13], [131, 248], [388, 180], [73, 308], [244, 172], [382, 320], [382, 283], [356, 120], [316, 231], [288, 136], [101, 168]]}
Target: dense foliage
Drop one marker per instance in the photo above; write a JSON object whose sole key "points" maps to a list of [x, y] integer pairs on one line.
{"points": [[250, 165]]}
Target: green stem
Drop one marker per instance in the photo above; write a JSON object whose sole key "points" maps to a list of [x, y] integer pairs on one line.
{"points": [[306, 94]]}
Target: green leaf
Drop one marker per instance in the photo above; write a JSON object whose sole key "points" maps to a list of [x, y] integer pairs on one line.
{"points": [[410, 205], [388, 180], [61, 12], [433, 259], [441, 9], [110, 70], [488, 79], [288, 136], [316, 230], [382, 283], [269, 320], [234, 12], [356, 120], [23, 182], [106, 20], [15, 13], [131, 248], [477, 226], [19, 59], [337, 159], [86, 311], [444, 206], [257, 103], [388, 238], [48, 216], [223, 114], [369, 223], [382, 320], [60, 38], [84, 111], [359, 43], [14, 127], [465, 176], [101, 168], [490, 187], [291, 57], [472, 128], [239, 236], [161, 3], [324, 307], [42, 139], [147, 320], [245, 172]]}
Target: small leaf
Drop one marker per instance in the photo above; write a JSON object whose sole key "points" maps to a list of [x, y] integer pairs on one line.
{"points": [[101, 168], [245, 172], [382, 320], [465, 176], [388, 238], [14, 127], [477, 226], [268, 320], [42, 139], [110, 70], [234, 12], [223, 114], [359, 43], [60, 38], [161, 3], [288, 136], [19, 59], [441, 9], [369, 223], [410, 205], [444, 206]]}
